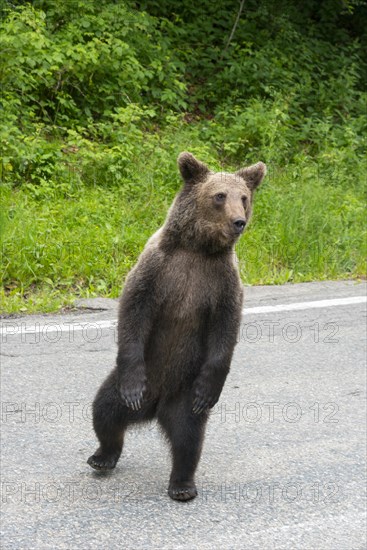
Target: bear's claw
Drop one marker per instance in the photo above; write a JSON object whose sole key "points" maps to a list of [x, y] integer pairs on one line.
{"points": [[133, 398], [202, 403]]}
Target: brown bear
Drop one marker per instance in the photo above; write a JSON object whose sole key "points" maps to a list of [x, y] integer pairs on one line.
{"points": [[179, 316]]}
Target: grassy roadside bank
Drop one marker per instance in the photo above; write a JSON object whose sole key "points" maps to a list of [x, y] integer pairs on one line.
{"points": [[308, 225]]}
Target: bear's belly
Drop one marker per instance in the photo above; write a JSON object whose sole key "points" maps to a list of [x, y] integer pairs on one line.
{"points": [[176, 350]]}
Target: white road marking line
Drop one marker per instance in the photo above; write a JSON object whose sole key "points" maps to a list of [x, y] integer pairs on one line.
{"points": [[306, 305], [12, 328]]}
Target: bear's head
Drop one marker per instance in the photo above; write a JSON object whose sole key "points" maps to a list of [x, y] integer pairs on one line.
{"points": [[213, 208]]}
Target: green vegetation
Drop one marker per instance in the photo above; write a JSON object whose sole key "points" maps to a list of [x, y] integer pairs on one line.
{"points": [[99, 97]]}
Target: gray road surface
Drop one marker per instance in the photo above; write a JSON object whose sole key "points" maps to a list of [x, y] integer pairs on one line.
{"points": [[283, 465]]}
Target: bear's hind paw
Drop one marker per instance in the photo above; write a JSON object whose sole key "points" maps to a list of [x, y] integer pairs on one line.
{"points": [[103, 462], [177, 492]]}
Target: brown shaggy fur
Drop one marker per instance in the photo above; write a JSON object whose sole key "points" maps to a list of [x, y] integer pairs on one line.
{"points": [[178, 321]]}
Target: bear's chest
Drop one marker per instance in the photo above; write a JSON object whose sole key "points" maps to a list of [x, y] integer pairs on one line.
{"points": [[190, 284]]}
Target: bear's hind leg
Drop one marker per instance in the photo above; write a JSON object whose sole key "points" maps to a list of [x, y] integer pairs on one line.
{"points": [[111, 438], [111, 417], [109, 422], [185, 432]]}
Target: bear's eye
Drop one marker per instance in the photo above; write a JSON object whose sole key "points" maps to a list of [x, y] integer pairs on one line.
{"points": [[220, 197], [244, 200]]}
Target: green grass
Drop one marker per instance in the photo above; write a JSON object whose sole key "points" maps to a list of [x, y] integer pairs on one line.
{"points": [[79, 240], [304, 228]]}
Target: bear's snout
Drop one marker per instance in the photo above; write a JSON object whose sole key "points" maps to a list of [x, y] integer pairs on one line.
{"points": [[239, 225]]}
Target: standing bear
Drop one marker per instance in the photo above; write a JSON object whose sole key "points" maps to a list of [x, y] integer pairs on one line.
{"points": [[179, 316]]}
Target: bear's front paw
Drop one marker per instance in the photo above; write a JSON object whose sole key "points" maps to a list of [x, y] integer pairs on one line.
{"points": [[203, 402], [133, 394]]}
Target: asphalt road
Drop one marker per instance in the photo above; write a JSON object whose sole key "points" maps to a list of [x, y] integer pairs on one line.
{"points": [[283, 464]]}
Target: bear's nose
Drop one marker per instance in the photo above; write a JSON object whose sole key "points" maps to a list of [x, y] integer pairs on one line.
{"points": [[239, 225]]}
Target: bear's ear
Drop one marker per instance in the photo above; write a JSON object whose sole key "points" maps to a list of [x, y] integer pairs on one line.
{"points": [[253, 175], [192, 170]]}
